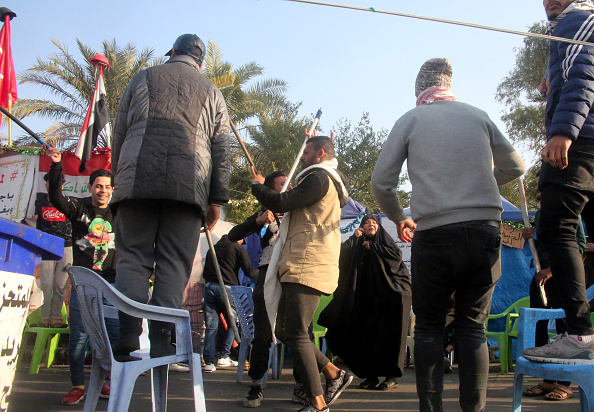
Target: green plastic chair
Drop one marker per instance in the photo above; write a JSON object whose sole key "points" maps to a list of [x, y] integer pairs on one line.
{"points": [[319, 332], [47, 338], [504, 338]]}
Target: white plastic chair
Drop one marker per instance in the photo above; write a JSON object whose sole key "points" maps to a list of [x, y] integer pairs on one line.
{"points": [[92, 290]]}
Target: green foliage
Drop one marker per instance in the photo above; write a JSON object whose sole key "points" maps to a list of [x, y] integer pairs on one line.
{"points": [[72, 84], [245, 98], [524, 106], [357, 149]]}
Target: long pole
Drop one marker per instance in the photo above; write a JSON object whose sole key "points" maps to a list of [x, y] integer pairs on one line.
{"points": [[222, 285], [249, 158], [25, 128], [310, 130], [454, 22], [524, 207]]}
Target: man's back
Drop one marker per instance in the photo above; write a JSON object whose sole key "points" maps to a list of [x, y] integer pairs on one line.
{"points": [[451, 148]]}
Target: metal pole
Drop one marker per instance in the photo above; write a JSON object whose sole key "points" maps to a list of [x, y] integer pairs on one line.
{"points": [[222, 285]]}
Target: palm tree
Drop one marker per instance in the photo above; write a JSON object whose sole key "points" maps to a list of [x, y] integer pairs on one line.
{"points": [[73, 83], [243, 101]]}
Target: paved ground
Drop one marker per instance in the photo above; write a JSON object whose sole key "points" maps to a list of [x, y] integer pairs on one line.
{"points": [[43, 392]]}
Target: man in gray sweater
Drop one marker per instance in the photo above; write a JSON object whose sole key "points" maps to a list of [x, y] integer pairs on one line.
{"points": [[456, 159]]}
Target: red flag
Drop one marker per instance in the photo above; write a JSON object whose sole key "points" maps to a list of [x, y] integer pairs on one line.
{"points": [[95, 121], [8, 86]]}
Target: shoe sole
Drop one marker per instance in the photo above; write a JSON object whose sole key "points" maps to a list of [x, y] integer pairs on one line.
{"points": [[344, 385], [560, 361], [300, 401], [248, 403], [74, 403]]}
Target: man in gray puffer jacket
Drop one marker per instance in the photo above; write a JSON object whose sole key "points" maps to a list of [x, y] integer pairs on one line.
{"points": [[170, 161]]}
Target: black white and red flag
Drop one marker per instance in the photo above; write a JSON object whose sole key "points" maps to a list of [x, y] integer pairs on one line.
{"points": [[96, 120]]}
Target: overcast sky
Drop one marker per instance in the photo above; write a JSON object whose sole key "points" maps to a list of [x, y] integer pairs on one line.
{"points": [[342, 61]]}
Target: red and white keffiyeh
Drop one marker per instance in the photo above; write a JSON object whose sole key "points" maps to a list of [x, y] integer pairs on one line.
{"points": [[435, 93]]}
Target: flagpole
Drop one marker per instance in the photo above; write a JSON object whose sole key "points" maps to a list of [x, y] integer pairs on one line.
{"points": [[9, 121], [25, 128], [310, 130]]}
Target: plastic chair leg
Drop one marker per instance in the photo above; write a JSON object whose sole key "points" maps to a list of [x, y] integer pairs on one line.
{"points": [[159, 381], [40, 341], [98, 375], [501, 341], [243, 352], [196, 370], [122, 386], [52, 345], [518, 383]]}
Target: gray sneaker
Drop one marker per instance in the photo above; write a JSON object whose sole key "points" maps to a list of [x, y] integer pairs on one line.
{"points": [[335, 387], [254, 397], [562, 349], [299, 395]]}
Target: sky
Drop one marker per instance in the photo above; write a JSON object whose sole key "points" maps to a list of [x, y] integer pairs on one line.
{"points": [[343, 61]]}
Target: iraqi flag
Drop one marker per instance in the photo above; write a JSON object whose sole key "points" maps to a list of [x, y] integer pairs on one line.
{"points": [[8, 85], [95, 121]]}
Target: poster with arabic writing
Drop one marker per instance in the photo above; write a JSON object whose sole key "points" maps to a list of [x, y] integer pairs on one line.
{"points": [[15, 291], [16, 185]]}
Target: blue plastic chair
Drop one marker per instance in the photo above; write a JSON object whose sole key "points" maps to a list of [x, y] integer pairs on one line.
{"points": [[92, 290], [243, 303], [582, 375]]}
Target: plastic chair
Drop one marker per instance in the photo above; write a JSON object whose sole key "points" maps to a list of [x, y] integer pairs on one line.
{"points": [[504, 338], [46, 340], [277, 351], [92, 291], [319, 332], [244, 307], [582, 375]]}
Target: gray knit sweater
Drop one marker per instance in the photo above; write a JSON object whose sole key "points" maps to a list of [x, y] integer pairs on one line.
{"points": [[456, 158]]}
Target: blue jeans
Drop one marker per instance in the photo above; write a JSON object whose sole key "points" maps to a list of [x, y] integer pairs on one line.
{"points": [[213, 306], [78, 339], [463, 258], [565, 194]]}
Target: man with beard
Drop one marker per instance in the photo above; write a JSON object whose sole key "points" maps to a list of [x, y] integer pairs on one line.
{"points": [[305, 260]]}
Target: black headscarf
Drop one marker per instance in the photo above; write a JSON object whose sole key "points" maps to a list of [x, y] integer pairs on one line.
{"points": [[370, 309]]}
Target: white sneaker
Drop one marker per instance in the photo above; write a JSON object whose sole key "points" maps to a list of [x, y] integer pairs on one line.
{"points": [[179, 368], [226, 363], [208, 368]]}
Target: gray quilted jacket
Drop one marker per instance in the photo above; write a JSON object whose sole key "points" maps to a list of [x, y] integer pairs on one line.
{"points": [[171, 137]]}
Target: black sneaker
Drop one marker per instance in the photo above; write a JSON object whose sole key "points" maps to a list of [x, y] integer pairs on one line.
{"points": [[254, 397], [335, 387]]}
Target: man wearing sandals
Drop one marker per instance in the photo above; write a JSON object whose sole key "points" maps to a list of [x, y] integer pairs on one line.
{"points": [[566, 180]]}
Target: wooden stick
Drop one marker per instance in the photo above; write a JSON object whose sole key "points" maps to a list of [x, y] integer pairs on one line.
{"points": [[249, 158], [524, 207]]}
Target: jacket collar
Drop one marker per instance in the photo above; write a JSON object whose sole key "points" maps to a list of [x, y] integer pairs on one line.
{"points": [[184, 58]]}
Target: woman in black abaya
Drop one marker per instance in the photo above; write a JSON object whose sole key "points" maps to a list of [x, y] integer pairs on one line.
{"points": [[368, 317]]}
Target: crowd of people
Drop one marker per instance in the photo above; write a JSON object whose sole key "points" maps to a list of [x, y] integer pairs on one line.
{"points": [[170, 174]]}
